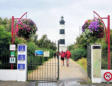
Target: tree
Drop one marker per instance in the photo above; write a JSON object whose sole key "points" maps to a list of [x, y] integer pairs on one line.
{"points": [[6, 23], [35, 38], [5, 40], [44, 42]]}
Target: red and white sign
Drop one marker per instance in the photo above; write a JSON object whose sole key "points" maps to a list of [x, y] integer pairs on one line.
{"points": [[107, 76]]}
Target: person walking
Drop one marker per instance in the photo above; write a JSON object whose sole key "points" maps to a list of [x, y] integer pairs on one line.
{"points": [[62, 54], [57, 54], [68, 55], [54, 55]]}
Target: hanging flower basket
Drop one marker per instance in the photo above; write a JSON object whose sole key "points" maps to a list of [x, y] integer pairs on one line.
{"points": [[96, 27]]}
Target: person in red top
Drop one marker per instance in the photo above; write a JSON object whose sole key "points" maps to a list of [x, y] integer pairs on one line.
{"points": [[62, 54], [68, 55]]}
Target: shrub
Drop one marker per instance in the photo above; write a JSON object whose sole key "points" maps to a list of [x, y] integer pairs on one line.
{"points": [[83, 63], [5, 40], [78, 53]]}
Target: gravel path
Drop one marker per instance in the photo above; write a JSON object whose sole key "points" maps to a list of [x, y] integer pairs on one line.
{"points": [[49, 72]]}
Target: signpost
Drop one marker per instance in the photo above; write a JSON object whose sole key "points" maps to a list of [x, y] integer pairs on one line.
{"points": [[12, 58], [22, 61]]}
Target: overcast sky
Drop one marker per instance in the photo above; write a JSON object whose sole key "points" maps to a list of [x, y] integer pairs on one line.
{"points": [[46, 14]]}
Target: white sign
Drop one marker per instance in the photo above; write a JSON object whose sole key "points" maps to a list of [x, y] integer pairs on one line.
{"points": [[46, 54], [106, 75], [12, 60], [12, 47], [22, 61]]}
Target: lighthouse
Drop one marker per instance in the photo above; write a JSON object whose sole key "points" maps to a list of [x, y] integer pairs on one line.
{"points": [[62, 42]]}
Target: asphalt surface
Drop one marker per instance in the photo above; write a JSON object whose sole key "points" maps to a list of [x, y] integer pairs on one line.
{"points": [[14, 83], [59, 83]]}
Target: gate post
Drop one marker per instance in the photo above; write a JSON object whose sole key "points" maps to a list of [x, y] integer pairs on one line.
{"points": [[58, 60], [94, 63], [22, 62]]}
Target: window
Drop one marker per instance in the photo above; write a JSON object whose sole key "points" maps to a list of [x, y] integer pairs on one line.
{"points": [[62, 31], [62, 41]]}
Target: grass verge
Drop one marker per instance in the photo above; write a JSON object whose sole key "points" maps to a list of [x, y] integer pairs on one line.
{"points": [[83, 63]]}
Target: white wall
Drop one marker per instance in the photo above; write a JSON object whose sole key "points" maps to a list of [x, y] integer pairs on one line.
{"points": [[12, 75], [8, 75]]}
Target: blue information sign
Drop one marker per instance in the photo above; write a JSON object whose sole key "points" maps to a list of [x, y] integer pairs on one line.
{"points": [[21, 57], [39, 52], [21, 66], [21, 48]]}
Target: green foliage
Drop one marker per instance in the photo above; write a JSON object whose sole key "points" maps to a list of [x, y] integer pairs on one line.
{"points": [[83, 63], [79, 49], [71, 47], [6, 23], [36, 59], [44, 42], [31, 52], [78, 53], [52, 53], [5, 40], [82, 42], [20, 40]]}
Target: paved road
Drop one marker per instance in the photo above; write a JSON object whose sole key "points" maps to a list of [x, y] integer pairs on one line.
{"points": [[74, 71], [14, 83]]}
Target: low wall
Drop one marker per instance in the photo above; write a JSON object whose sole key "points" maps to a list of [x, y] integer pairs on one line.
{"points": [[8, 75], [12, 75]]}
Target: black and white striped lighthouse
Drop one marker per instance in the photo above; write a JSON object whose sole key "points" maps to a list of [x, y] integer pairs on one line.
{"points": [[62, 35]]}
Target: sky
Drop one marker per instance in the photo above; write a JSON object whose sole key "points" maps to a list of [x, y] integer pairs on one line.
{"points": [[47, 14]]}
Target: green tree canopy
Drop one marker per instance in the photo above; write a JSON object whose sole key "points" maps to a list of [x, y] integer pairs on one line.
{"points": [[5, 40], [44, 42]]}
